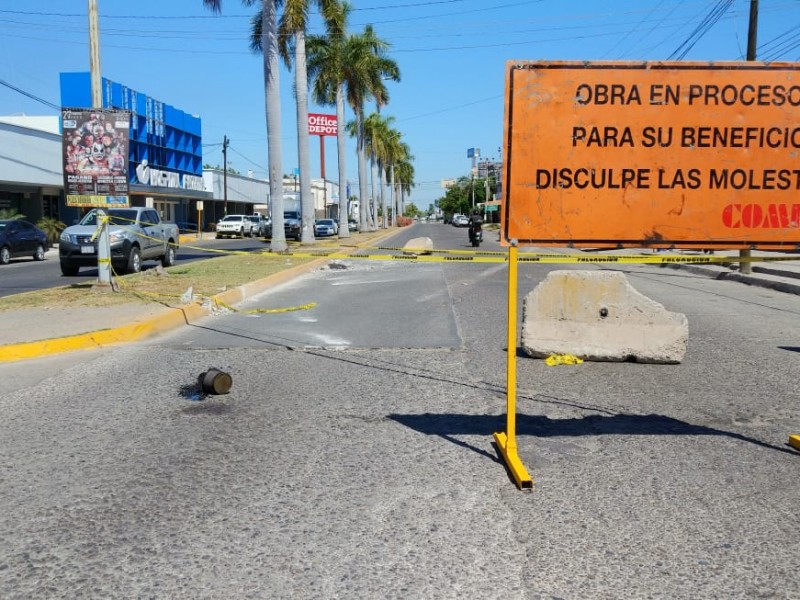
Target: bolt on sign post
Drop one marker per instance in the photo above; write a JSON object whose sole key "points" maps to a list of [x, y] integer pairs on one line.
{"points": [[651, 154]]}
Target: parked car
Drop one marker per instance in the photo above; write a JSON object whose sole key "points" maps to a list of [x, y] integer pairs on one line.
{"points": [[235, 225], [20, 238], [324, 227], [135, 234], [352, 225], [258, 225]]}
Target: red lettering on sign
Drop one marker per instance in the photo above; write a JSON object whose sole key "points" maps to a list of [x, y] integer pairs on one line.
{"points": [[755, 216]]}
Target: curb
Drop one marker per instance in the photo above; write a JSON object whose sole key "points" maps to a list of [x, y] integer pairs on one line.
{"points": [[171, 318], [779, 286]]}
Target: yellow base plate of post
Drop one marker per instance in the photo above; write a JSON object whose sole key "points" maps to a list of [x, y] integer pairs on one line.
{"points": [[794, 441], [514, 464]]}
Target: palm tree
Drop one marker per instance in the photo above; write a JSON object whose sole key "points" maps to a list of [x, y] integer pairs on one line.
{"points": [[396, 152], [366, 66], [377, 131], [292, 32], [326, 56], [264, 39], [52, 228], [404, 177]]}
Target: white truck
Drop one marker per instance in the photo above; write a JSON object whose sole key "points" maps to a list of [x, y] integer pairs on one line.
{"points": [[236, 226], [136, 234]]}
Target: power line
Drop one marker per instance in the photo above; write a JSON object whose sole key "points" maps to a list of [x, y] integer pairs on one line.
{"points": [[780, 45], [254, 163], [704, 27], [29, 95]]}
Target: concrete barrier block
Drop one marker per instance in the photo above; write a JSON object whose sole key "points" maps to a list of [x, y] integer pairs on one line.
{"points": [[418, 246], [599, 316]]}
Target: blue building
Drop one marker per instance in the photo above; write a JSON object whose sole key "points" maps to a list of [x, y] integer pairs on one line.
{"points": [[165, 158]]}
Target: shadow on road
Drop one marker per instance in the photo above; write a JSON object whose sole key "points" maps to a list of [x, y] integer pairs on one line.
{"points": [[448, 425]]}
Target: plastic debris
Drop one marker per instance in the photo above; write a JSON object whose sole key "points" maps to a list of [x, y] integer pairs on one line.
{"points": [[562, 359]]}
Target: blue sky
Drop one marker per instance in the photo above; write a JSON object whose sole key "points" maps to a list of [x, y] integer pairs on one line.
{"points": [[451, 55]]}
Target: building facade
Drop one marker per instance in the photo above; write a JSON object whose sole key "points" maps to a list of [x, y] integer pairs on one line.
{"points": [[165, 164]]}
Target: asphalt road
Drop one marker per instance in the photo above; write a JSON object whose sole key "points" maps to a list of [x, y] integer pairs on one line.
{"points": [[353, 456], [26, 275]]}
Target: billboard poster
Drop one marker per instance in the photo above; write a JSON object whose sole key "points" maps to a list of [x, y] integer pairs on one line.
{"points": [[95, 151]]}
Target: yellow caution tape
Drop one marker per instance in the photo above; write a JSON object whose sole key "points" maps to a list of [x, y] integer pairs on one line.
{"points": [[562, 359], [537, 258], [262, 311]]}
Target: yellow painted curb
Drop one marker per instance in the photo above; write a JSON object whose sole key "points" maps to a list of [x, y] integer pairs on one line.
{"points": [[794, 441], [171, 318]]}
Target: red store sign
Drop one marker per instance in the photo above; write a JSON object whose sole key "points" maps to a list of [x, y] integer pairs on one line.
{"points": [[319, 124]]}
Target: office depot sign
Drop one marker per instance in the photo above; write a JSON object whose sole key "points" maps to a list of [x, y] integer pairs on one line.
{"points": [[685, 155], [322, 124]]}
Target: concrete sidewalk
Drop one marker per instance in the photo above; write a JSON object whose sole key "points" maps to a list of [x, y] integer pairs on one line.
{"points": [[32, 333]]}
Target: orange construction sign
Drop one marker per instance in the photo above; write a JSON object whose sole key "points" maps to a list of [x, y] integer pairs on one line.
{"points": [[681, 155]]}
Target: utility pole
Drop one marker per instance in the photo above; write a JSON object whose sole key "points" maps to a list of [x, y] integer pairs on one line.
{"points": [[225, 175], [103, 243], [752, 37]]}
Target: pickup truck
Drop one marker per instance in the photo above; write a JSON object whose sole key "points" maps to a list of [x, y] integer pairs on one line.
{"points": [[292, 216], [136, 234]]}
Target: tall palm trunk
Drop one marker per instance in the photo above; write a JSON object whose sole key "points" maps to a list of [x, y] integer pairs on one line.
{"points": [[376, 183], [363, 201], [304, 162], [382, 171], [269, 44], [344, 216], [393, 197]]}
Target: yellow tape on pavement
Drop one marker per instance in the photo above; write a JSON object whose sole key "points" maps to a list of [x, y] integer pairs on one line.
{"points": [[537, 258], [263, 311]]}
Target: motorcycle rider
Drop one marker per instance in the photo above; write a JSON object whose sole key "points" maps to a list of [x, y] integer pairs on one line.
{"points": [[475, 223]]}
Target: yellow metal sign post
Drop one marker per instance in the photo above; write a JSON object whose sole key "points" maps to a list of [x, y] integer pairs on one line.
{"points": [[507, 442]]}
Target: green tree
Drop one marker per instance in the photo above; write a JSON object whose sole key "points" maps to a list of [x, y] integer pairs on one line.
{"points": [[264, 39], [457, 199], [52, 228], [384, 147], [404, 180], [397, 153], [366, 66], [411, 211], [292, 35], [10, 213], [326, 55]]}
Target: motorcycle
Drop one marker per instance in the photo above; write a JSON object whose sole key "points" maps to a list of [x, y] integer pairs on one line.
{"points": [[475, 234]]}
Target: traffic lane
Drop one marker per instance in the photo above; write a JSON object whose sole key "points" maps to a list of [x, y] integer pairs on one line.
{"points": [[673, 468], [445, 237], [23, 275], [406, 306], [297, 480]]}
